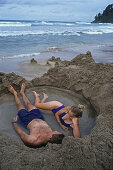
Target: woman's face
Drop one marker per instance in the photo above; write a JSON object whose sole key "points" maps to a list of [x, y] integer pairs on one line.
{"points": [[70, 113]]}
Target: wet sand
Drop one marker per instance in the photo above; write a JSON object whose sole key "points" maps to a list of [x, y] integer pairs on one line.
{"points": [[23, 67], [32, 70], [8, 110]]}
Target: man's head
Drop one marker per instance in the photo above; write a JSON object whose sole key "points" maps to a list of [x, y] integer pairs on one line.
{"points": [[57, 137], [54, 137]]}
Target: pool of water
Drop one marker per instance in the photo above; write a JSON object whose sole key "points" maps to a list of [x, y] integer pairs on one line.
{"points": [[8, 110]]}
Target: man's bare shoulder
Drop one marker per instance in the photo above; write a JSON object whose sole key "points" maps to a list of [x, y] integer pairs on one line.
{"points": [[37, 141]]}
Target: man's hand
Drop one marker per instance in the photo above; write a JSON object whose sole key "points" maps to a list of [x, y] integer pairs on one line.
{"points": [[15, 119]]}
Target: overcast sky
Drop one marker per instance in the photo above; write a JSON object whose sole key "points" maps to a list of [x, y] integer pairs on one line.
{"points": [[49, 10]]}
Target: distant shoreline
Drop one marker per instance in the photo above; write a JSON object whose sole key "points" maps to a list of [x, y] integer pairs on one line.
{"points": [[22, 65]]}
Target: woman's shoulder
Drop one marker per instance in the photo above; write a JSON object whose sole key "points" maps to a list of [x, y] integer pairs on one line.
{"points": [[67, 108]]}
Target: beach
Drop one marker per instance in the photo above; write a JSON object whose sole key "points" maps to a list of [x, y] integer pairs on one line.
{"points": [[23, 66], [20, 41], [80, 76], [74, 64]]}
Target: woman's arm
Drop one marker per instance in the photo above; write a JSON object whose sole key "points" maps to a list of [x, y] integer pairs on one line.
{"points": [[66, 109], [75, 126], [58, 118]]}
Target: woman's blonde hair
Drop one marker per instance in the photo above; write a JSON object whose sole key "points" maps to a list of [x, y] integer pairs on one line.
{"points": [[77, 110]]}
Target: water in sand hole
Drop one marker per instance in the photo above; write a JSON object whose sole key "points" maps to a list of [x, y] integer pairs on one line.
{"points": [[8, 110]]}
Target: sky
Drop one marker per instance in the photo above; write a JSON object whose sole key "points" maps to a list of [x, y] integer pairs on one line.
{"points": [[52, 10]]}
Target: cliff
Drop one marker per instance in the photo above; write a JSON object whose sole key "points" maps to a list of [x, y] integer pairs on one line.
{"points": [[106, 16]]}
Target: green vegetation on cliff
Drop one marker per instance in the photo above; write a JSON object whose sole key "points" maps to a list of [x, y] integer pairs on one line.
{"points": [[106, 17]]}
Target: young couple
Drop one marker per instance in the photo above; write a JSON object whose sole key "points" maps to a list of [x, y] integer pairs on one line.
{"points": [[40, 131]]}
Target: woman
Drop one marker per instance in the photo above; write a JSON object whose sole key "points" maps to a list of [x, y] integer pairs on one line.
{"points": [[66, 116]]}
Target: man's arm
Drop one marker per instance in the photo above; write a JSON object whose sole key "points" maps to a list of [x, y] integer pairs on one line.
{"points": [[27, 139], [21, 133], [75, 126]]}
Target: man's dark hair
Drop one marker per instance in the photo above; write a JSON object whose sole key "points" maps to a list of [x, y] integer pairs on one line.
{"points": [[57, 138], [35, 146]]}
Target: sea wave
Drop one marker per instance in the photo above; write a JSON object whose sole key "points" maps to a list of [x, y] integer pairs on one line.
{"points": [[53, 49], [92, 32], [14, 24], [20, 56], [23, 28], [79, 22], [106, 31], [39, 23], [22, 33], [65, 33], [48, 23]]}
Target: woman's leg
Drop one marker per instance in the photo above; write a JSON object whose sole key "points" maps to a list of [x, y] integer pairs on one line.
{"points": [[48, 105], [17, 100], [26, 100]]}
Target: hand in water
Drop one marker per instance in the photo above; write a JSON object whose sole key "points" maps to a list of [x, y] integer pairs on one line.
{"points": [[64, 127], [15, 119]]}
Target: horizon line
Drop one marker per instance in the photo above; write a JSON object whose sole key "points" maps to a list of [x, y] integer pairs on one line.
{"points": [[42, 20]]}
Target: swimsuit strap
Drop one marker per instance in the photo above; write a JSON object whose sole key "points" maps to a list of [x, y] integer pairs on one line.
{"points": [[62, 111], [57, 109], [65, 109]]}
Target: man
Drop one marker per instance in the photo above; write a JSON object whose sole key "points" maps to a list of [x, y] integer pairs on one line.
{"points": [[40, 132]]}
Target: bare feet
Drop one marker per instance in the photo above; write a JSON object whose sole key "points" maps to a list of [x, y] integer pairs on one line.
{"points": [[22, 88], [35, 93], [11, 89], [45, 96]]}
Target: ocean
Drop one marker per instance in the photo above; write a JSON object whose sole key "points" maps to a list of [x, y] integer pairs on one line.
{"points": [[23, 40]]}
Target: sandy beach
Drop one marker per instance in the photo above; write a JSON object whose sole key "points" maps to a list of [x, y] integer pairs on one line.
{"points": [[80, 80], [23, 67], [65, 50]]}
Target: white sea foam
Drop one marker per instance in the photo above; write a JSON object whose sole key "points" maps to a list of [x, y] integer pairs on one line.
{"points": [[76, 32], [70, 24], [14, 24], [108, 31], [64, 33], [53, 49], [105, 23], [41, 23], [7, 22], [20, 56], [22, 33], [46, 23], [60, 28], [79, 22], [92, 32]]}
